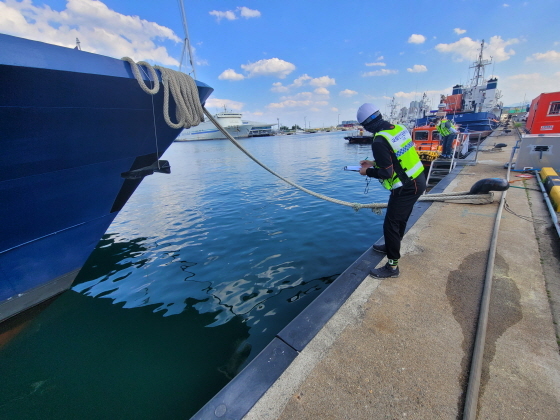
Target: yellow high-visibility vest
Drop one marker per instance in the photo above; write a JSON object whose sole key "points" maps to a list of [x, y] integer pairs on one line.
{"points": [[401, 142]]}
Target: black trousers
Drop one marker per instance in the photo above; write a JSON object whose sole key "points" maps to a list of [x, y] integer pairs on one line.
{"points": [[447, 144], [399, 208]]}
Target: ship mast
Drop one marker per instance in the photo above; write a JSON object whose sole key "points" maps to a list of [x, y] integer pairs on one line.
{"points": [[186, 41], [478, 66]]}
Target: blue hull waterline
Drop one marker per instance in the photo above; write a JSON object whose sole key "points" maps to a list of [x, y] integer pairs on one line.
{"points": [[469, 122], [74, 127]]}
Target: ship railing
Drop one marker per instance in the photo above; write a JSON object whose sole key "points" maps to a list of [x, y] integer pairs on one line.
{"points": [[440, 168]]}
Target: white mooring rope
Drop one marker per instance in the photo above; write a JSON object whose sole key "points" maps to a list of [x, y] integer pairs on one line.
{"points": [[456, 196], [190, 112], [183, 88]]}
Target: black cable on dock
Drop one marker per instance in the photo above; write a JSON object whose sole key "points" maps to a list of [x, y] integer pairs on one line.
{"points": [[473, 387]]}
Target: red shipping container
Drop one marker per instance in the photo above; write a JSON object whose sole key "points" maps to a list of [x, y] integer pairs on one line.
{"points": [[544, 114], [454, 102]]}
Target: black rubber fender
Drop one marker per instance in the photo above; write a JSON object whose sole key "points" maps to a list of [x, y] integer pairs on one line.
{"points": [[489, 184]]}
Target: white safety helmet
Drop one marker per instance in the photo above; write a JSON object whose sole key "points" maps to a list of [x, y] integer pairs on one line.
{"points": [[367, 110]]}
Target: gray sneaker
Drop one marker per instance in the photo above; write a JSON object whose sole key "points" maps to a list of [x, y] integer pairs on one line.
{"points": [[385, 272], [380, 248]]}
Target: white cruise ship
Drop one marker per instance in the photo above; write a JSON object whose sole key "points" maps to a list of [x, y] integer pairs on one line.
{"points": [[207, 130]]}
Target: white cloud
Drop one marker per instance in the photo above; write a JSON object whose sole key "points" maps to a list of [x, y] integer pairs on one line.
{"points": [[278, 87], [228, 14], [248, 13], [100, 29], [459, 31], [307, 100], [201, 62], [321, 91], [467, 48], [290, 103], [243, 11], [528, 86], [221, 103], [411, 96], [348, 93], [382, 72], [547, 56], [416, 39], [298, 96], [322, 81], [376, 64], [230, 74], [417, 68], [505, 5], [300, 81], [380, 58], [269, 67]]}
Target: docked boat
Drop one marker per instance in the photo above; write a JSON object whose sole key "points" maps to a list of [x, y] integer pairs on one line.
{"points": [[260, 129], [427, 142], [78, 137], [474, 108], [359, 138], [231, 121]]}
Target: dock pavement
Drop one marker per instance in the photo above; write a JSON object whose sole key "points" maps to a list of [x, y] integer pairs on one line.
{"points": [[401, 348]]}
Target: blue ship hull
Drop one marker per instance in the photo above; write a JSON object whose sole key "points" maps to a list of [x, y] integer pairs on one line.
{"points": [[73, 127], [469, 122]]}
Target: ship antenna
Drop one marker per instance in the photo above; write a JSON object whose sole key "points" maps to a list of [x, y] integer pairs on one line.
{"points": [[78, 46], [186, 41], [478, 66]]}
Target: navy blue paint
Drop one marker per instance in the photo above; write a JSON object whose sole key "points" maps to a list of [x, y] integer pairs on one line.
{"points": [[36, 263], [471, 121], [241, 394], [22, 52], [72, 123]]}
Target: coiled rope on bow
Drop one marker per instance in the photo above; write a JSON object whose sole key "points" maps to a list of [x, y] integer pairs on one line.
{"points": [[462, 196], [188, 110]]}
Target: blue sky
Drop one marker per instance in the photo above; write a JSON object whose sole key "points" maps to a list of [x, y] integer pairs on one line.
{"points": [[314, 62]]}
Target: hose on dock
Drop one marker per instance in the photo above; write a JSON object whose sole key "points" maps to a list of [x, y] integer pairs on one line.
{"points": [[463, 197], [473, 386]]}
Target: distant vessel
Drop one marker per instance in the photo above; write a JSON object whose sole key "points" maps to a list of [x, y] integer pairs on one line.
{"points": [[475, 108], [231, 121], [359, 138], [78, 136]]}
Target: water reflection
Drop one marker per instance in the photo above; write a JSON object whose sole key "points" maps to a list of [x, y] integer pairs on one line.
{"points": [[124, 272], [200, 270]]}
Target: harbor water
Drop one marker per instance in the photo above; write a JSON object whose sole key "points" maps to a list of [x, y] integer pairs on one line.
{"points": [[200, 270]]}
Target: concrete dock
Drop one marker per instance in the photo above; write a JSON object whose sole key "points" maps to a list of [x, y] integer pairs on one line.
{"points": [[401, 348]]}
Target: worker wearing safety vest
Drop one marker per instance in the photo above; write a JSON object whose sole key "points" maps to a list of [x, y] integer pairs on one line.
{"points": [[399, 169], [447, 131]]}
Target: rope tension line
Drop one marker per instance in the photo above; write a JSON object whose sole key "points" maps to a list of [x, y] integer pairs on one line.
{"points": [[479, 198], [190, 112]]}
